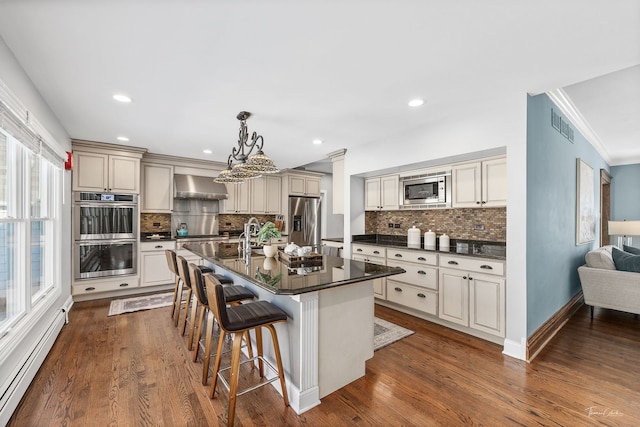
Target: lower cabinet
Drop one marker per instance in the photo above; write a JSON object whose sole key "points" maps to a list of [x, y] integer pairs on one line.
{"points": [[418, 298], [153, 263], [374, 255], [98, 286]]}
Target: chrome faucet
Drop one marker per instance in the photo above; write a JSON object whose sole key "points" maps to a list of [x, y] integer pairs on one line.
{"points": [[250, 229]]}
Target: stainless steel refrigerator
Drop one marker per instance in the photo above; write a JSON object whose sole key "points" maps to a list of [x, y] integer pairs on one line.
{"points": [[304, 221]]}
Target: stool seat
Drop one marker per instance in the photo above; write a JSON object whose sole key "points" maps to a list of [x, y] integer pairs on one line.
{"points": [[205, 269], [251, 315], [234, 293], [222, 279]]}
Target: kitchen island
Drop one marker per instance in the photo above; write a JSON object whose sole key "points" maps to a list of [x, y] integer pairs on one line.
{"points": [[329, 300]]}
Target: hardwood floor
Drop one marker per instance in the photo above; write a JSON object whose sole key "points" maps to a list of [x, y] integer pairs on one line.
{"points": [[135, 370]]}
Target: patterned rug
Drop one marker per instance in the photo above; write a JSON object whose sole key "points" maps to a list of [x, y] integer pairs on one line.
{"points": [[146, 302], [385, 333]]}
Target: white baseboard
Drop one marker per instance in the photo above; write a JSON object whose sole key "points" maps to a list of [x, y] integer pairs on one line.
{"points": [[515, 349]]}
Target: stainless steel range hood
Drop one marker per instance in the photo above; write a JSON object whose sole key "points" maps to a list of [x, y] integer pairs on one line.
{"points": [[198, 187]]}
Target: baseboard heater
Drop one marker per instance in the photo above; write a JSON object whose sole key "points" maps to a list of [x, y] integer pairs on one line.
{"points": [[27, 370]]}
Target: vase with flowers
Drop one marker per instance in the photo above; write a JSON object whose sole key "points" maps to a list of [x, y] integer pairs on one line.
{"points": [[267, 232]]}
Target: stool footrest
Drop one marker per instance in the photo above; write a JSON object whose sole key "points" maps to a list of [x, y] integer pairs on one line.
{"points": [[254, 387]]}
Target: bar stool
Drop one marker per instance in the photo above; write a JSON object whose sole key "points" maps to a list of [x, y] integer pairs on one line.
{"points": [[233, 295], [173, 267], [237, 320]]}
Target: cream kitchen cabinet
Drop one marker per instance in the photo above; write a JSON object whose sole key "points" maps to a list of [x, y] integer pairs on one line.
{"points": [[153, 263], [472, 293], [105, 172], [157, 188], [239, 200], [302, 185], [266, 195], [417, 287], [480, 184], [381, 193], [374, 255]]}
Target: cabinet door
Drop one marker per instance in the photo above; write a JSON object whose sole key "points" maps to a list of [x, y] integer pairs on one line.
{"points": [[454, 297], [239, 200], [124, 174], [379, 285], [90, 172], [274, 194], [494, 182], [487, 309], [157, 190], [467, 188], [154, 269], [312, 187], [389, 192], [297, 185], [259, 195], [372, 194]]}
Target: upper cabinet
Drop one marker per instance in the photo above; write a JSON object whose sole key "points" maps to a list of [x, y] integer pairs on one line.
{"points": [[302, 185], [381, 193], [157, 188], [101, 168], [266, 195], [480, 184], [239, 200]]}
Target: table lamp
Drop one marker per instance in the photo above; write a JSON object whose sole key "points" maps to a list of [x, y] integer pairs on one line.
{"points": [[624, 229]]}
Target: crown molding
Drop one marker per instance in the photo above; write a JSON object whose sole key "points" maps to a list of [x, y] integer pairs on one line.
{"points": [[569, 109]]}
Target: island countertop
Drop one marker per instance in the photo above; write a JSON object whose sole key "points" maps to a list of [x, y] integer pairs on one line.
{"points": [[282, 278]]}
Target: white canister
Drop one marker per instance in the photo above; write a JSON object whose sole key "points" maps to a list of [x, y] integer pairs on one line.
{"points": [[413, 237], [444, 243], [430, 240]]}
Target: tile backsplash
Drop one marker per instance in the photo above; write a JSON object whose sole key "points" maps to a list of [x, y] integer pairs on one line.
{"points": [[155, 222], [489, 224]]}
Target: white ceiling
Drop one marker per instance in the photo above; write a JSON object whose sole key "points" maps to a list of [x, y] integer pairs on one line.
{"points": [[341, 71]]}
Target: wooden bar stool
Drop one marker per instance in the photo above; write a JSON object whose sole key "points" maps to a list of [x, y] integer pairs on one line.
{"points": [[173, 267], [233, 295], [237, 320]]}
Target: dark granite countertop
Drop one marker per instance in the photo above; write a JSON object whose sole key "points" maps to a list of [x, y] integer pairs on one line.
{"points": [[474, 248], [282, 278], [334, 239]]}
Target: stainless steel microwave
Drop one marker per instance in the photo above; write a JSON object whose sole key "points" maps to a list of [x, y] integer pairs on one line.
{"points": [[429, 190]]}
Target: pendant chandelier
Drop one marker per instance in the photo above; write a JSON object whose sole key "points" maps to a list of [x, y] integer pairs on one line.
{"points": [[248, 166]]}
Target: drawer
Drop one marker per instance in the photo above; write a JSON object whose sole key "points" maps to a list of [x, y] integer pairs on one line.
{"points": [[478, 265], [94, 287], [405, 255], [413, 297], [157, 246], [371, 259], [368, 250], [416, 274]]}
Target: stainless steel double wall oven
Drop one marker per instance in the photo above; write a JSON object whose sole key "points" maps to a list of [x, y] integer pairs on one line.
{"points": [[105, 235]]}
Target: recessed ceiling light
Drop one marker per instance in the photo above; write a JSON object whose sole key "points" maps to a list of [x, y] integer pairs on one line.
{"points": [[207, 151], [416, 102], [122, 98], [317, 141], [123, 138]]}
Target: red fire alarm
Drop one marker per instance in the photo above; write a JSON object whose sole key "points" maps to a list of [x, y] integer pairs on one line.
{"points": [[68, 164]]}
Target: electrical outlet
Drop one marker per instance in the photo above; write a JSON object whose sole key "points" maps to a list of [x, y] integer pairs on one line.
{"points": [[228, 224], [396, 225], [478, 227], [390, 225], [156, 224]]}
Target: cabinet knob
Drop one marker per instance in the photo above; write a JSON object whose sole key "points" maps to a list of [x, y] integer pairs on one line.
{"points": [[421, 272], [398, 289], [486, 267], [464, 277], [470, 278], [421, 295], [453, 262], [422, 258], [477, 203]]}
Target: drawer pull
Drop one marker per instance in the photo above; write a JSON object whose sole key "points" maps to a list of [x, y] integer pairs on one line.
{"points": [[464, 277], [376, 252], [421, 272], [90, 288], [486, 267], [422, 258], [158, 246], [453, 262], [122, 285], [358, 250], [421, 295], [397, 289], [399, 255], [470, 278]]}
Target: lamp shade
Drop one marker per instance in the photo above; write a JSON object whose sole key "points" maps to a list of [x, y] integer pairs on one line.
{"points": [[624, 228]]}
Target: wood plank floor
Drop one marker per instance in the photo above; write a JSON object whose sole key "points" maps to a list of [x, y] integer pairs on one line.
{"points": [[135, 370]]}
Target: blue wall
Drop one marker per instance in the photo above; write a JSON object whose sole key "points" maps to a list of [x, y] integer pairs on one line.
{"points": [[552, 254]]}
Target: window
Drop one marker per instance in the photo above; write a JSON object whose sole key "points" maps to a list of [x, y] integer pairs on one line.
{"points": [[28, 223]]}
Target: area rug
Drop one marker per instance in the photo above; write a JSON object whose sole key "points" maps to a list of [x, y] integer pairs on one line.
{"points": [[385, 333], [146, 302]]}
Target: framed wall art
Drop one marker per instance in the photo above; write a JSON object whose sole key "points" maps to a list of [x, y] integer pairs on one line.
{"points": [[585, 195]]}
